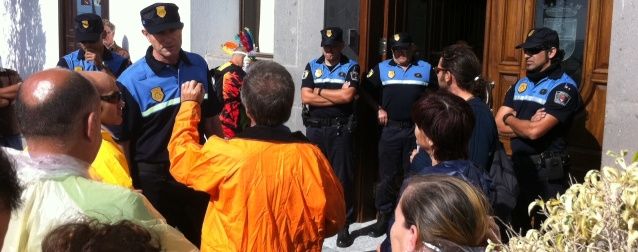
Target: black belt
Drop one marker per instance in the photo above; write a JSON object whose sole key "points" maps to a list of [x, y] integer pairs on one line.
{"points": [[326, 122], [400, 124]]}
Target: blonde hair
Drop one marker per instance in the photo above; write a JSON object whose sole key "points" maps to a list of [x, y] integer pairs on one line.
{"points": [[446, 209]]}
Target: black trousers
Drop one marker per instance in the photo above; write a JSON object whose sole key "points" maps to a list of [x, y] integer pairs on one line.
{"points": [[395, 146], [336, 143], [533, 185], [183, 207]]}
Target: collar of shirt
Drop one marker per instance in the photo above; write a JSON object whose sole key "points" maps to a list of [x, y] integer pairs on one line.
{"points": [[106, 55], [414, 62], [157, 66], [344, 59], [276, 134]]}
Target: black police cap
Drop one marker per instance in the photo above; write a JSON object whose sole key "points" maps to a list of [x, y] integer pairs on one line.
{"points": [[401, 40], [159, 17], [331, 36], [88, 27], [544, 38]]}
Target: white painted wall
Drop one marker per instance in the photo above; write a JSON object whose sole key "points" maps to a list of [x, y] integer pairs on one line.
{"points": [[125, 14], [29, 40]]}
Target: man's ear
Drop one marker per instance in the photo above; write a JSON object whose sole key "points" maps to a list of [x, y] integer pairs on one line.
{"points": [[552, 52], [144, 32], [92, 125]]}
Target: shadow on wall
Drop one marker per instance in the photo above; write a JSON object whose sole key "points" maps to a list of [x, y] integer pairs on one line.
{"points": [[26, 38], [125, 43]]}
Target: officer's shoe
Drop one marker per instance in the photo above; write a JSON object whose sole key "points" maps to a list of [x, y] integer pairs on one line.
{"points": [[380, 228], [344, 239]]}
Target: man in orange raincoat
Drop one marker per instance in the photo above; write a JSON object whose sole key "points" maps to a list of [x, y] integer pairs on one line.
{"points": [[270, 189]]}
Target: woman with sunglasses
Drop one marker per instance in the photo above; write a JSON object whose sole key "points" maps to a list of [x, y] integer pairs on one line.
{"points": [[110, 165]]}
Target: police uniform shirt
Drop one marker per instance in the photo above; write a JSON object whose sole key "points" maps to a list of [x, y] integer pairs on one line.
{"points": [[399, 88], [318, 75], [75, 61], [558, 94], [152, 92]]}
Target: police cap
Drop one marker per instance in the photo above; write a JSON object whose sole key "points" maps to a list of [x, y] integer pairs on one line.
{"points": [[88, 27], [401, 40], [543, 38], [331, 36], [159, 17]]}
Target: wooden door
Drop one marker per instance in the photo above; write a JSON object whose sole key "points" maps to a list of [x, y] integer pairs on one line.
{"points": [[506, 26]]}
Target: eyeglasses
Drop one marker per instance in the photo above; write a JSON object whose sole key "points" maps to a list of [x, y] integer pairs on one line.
{"points": [[438, 70], [112, 98], [533, 51]]}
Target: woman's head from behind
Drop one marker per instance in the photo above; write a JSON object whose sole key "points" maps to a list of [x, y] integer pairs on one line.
{"points": [[436, 211], [444, 125]]}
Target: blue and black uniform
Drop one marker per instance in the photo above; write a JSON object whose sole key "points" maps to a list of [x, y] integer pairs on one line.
{"points": [[397, 90], [330, 127], [542, 165], [75, 61], [151, 91]]}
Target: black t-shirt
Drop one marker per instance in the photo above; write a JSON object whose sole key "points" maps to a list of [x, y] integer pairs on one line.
{"points": [[484, 135]]}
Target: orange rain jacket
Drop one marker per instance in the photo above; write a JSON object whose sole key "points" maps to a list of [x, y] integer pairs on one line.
{"points": [[267, 193]]}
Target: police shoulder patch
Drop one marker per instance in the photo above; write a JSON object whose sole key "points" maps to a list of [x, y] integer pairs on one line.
{"points": [[354, 75], [370, 73], [562, 98], [305, 74], [157, 94]]}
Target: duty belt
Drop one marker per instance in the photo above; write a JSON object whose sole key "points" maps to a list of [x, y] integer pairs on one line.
{"points": [[540, 158], [326, 122], [400, 124]]}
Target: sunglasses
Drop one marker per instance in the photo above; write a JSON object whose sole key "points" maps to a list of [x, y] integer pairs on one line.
{"points": [[112, 98], [438, 70], [533, 51]]}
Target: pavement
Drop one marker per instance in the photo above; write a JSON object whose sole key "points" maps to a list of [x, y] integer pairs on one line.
{"points": [[363, 242]]}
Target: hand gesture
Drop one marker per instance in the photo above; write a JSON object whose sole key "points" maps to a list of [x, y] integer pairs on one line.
{"points": [[192, 91], [382, 116]]}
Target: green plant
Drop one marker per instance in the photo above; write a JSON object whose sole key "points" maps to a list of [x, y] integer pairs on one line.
{"points": [[601, 214]]}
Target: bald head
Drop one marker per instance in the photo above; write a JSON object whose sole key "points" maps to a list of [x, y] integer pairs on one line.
{"points": [[103, 82], [51, 103]]}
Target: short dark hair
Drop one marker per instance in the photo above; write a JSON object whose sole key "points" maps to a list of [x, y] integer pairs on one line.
{"points": [[92, 236], [447, 120], [268, 93], [59, 115], [9, 187], [462, 62]]}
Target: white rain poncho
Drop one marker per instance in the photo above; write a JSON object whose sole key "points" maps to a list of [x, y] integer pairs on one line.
{"points": [[57, 191]]}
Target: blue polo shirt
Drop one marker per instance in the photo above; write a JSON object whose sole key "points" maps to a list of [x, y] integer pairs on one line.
{"points": [[318, 75], [151, 90], [75, 61], [400, 89], [558, 94]]}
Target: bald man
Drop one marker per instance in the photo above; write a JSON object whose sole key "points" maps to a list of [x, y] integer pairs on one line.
{"points": [[58, 112], [110, 165]]}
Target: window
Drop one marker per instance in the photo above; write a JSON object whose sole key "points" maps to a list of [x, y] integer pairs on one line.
{"points": [[259, 17]]}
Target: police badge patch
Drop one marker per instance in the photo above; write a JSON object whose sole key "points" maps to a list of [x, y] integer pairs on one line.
{"points": [[161, 11], [85, 24], [522, 87], [562, 98], [305, 74], [78, 69], [157, 94], [390, 74], [318, 73]]}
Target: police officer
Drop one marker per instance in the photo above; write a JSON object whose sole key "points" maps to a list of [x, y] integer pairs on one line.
{"points": [[397, 83], [92, 55], [329, 84], [536, 115], [151, 91]]}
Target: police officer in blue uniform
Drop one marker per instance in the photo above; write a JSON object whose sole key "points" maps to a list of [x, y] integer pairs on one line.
{"points": [[92, 55], [329, 85], [151, 91], [536, 115], [396, 84]]}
